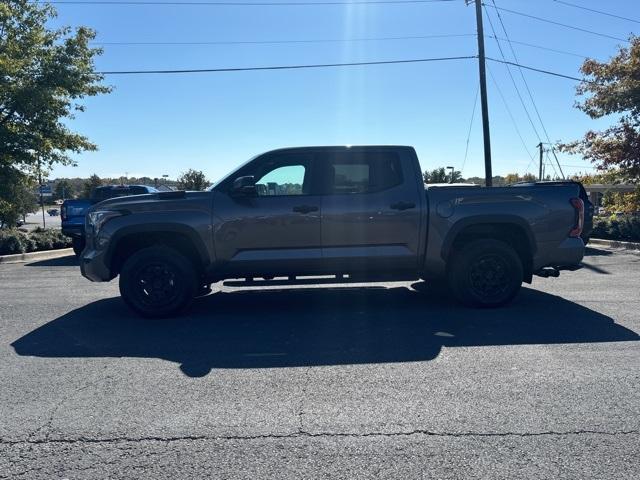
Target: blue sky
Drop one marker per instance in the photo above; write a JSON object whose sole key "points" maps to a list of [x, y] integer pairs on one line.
{"points": [[164, 124]]}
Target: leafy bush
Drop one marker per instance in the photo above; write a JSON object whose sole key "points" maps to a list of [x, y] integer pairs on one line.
{"points": [[14, 241], [623, 227]]}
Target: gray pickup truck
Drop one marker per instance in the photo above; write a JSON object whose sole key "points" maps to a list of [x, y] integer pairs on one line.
{"points": [[353, 213]]}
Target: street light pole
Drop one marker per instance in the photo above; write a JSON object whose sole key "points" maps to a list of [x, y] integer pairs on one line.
{"points": [[484, 102]]}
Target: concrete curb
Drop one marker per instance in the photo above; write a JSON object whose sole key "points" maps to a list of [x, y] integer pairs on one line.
{"points": [[599, 242], [32, 256]]}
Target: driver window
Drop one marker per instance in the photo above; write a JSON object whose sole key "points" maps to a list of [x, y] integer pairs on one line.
{"points": [[283, 180]]}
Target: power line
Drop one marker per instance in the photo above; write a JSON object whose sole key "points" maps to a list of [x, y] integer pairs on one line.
{"points": [[269, 42], [548, 49], [513, 80], [235, 4], [327, 65], [526, 84], [283, 67], [324, 40], [597, 11], [513, 120], [553, 22], [540, 70], [473, 114], [555, 172]]}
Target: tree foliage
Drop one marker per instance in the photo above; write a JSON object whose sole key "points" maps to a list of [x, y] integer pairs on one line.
{"points": [[441, 175], [511, 178], [17, 195], [92, 182], [44, 75], [64, 189], [193, 180], [612, 87]]}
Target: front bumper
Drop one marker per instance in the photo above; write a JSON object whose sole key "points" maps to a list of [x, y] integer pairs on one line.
{"points": [[93, 265]]}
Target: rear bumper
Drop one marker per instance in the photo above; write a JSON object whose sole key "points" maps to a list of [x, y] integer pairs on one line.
{"points": [[73, 230], [564, 256]]}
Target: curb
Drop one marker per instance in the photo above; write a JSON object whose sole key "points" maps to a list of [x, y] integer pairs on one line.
{"points": [[31, 256], [614, 244]]}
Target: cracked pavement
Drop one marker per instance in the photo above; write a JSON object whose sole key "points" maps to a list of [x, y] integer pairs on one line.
{"points": [[363, 381]]}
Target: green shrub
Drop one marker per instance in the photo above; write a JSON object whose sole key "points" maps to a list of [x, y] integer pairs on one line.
{"points": [[623, 227], [13, 241], [49, 239]]}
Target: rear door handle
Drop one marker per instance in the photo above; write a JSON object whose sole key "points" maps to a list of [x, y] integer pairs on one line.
{"points": [[403, 205], [305, 209]]}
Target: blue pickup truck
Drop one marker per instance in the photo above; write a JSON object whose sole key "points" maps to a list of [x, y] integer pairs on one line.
{"points": [[74, 211]]}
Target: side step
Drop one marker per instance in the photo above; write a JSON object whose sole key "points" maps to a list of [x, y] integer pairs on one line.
{"points": [[320, 280]]}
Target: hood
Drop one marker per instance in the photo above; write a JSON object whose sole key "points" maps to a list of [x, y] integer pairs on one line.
{"points": [[150, 201]]}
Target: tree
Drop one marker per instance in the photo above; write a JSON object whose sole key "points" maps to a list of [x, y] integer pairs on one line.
{"points": [[17, 195], [92, 182], [44, 74], [440, 175], [193, 180], [612, 87], [515, 178], [64, 189]]}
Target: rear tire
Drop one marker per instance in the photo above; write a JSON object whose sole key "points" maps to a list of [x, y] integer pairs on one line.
{"points": [[78, 244], [485, 273], [158, 282]]}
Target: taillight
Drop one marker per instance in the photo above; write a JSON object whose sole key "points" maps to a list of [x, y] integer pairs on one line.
{"points": [[578, 205]]}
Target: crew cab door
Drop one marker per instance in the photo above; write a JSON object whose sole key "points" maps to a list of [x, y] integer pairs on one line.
{"points": [[275, 231], [370, 212]]}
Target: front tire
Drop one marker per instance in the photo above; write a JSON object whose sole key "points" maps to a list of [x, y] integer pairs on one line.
{"points": [[158, 282], [485, 273]]}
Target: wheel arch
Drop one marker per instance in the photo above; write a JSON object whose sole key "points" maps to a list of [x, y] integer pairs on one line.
{"points": [[181, 238], [511, 229]]}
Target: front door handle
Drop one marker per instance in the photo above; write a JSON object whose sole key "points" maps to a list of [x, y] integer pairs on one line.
{"points": [[305, 208], [403, 205]]}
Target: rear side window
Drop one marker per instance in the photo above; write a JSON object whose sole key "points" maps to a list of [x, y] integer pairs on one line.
{"points": [[352, 173]]}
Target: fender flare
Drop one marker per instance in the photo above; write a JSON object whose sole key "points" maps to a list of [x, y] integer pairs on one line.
{"points": [[162, 228], [504, 219]]}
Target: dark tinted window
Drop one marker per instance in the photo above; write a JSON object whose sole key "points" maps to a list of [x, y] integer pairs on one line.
{"points": [[362, 172]]}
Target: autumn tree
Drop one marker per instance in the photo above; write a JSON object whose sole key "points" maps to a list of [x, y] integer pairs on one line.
{"points": [[193, 180], [612, 88]]}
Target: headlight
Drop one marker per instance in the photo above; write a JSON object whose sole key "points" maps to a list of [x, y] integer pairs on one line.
{"points": [[97, 219]]}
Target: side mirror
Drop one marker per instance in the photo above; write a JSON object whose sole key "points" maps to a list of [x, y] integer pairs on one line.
{"points": [[245, 186]]}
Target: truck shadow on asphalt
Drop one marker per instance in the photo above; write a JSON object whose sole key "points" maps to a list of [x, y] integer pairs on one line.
{"points": [[314, 327]]}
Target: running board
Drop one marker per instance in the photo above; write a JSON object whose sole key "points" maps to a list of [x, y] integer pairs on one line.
{"points": [[324, 280]]}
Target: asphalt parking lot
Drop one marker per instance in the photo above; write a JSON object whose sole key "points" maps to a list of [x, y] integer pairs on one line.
{"points": [[364, 381]]}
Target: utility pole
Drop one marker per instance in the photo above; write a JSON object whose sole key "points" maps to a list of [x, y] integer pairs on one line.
{"points": [[484, 102], [540, 173]]}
